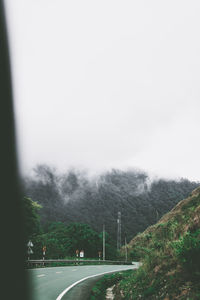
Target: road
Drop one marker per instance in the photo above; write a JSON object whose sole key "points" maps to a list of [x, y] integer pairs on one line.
{"points": [[49, 283]]}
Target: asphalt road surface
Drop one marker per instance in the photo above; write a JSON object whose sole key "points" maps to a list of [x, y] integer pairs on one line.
{"points": [[56, 283]]}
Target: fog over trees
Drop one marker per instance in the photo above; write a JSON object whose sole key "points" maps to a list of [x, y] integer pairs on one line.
{"points": [[73, 196]]}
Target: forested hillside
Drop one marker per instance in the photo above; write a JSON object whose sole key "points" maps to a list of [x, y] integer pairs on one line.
{"points": [[169, 252], [75, 197]]}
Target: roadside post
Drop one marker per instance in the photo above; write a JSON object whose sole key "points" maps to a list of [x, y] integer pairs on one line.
{"points": [[99, 255], [126, 252], [44, 248], [77, 254], [30, 251]]}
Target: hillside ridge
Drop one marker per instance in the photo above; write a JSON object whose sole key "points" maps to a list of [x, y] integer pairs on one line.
{"points": [[170, 253]]}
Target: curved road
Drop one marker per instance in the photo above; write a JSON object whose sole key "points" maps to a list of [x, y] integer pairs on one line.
{"points": [[50, 283]]}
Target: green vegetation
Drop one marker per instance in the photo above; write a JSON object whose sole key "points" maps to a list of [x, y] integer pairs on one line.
{"points": [[62, 240], [31, 218], [170, 252], [99, 290], [187, 249], [75, 197]]}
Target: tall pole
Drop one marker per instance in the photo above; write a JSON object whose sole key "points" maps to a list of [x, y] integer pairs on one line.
{"points": [[126, 249], [119, 231], [104, 250]]}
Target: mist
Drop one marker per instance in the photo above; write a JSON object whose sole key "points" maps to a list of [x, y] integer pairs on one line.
{"points": [[107, 85]]}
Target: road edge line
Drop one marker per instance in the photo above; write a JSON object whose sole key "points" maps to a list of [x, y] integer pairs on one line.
{"points": [[85, 278]]}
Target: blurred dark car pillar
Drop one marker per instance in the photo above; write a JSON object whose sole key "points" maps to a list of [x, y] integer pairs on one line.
{"points": [[12, 248]]}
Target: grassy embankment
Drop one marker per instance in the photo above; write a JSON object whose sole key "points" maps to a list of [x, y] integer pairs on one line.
{"points": [[170, 253], [99, 290]]}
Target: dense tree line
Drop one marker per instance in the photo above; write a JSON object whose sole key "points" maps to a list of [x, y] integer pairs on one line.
{"points": [[61, 240], [75, 197]]}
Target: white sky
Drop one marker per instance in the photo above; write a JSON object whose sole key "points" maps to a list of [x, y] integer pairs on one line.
{"points": [[107, 84]]}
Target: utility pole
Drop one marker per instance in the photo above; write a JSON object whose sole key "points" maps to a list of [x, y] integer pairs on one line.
{"points": [[104, 250], [126, 254], [157, 215], [119, 231]]}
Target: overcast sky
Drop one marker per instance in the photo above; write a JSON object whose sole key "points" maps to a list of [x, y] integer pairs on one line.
{"points": [[107, 84]]}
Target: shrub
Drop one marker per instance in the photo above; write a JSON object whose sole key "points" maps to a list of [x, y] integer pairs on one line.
{"points": [[187, 249], [135, 255], [139, 252], [194, 202], [99, 290]]}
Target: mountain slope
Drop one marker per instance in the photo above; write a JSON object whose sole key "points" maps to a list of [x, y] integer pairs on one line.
{"points": [[74, 197], [170, 253]]}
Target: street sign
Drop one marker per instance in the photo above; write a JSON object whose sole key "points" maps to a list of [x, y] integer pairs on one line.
{"points": [[30, 244], [30, 251], [81, 253]]}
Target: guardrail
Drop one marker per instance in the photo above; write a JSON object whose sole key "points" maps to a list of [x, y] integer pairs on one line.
{"points": [[43, 262]]}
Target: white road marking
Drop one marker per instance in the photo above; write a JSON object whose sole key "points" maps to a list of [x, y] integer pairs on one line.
{"points": [[79, 281], [41, 275], [74, 270], [58, 272]]}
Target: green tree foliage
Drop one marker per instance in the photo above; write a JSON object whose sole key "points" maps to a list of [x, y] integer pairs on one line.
{"points": [[187, 249], [43, 187], [74, 197], [54, 240], [62, 241], [31, 218], [82, 237]]}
